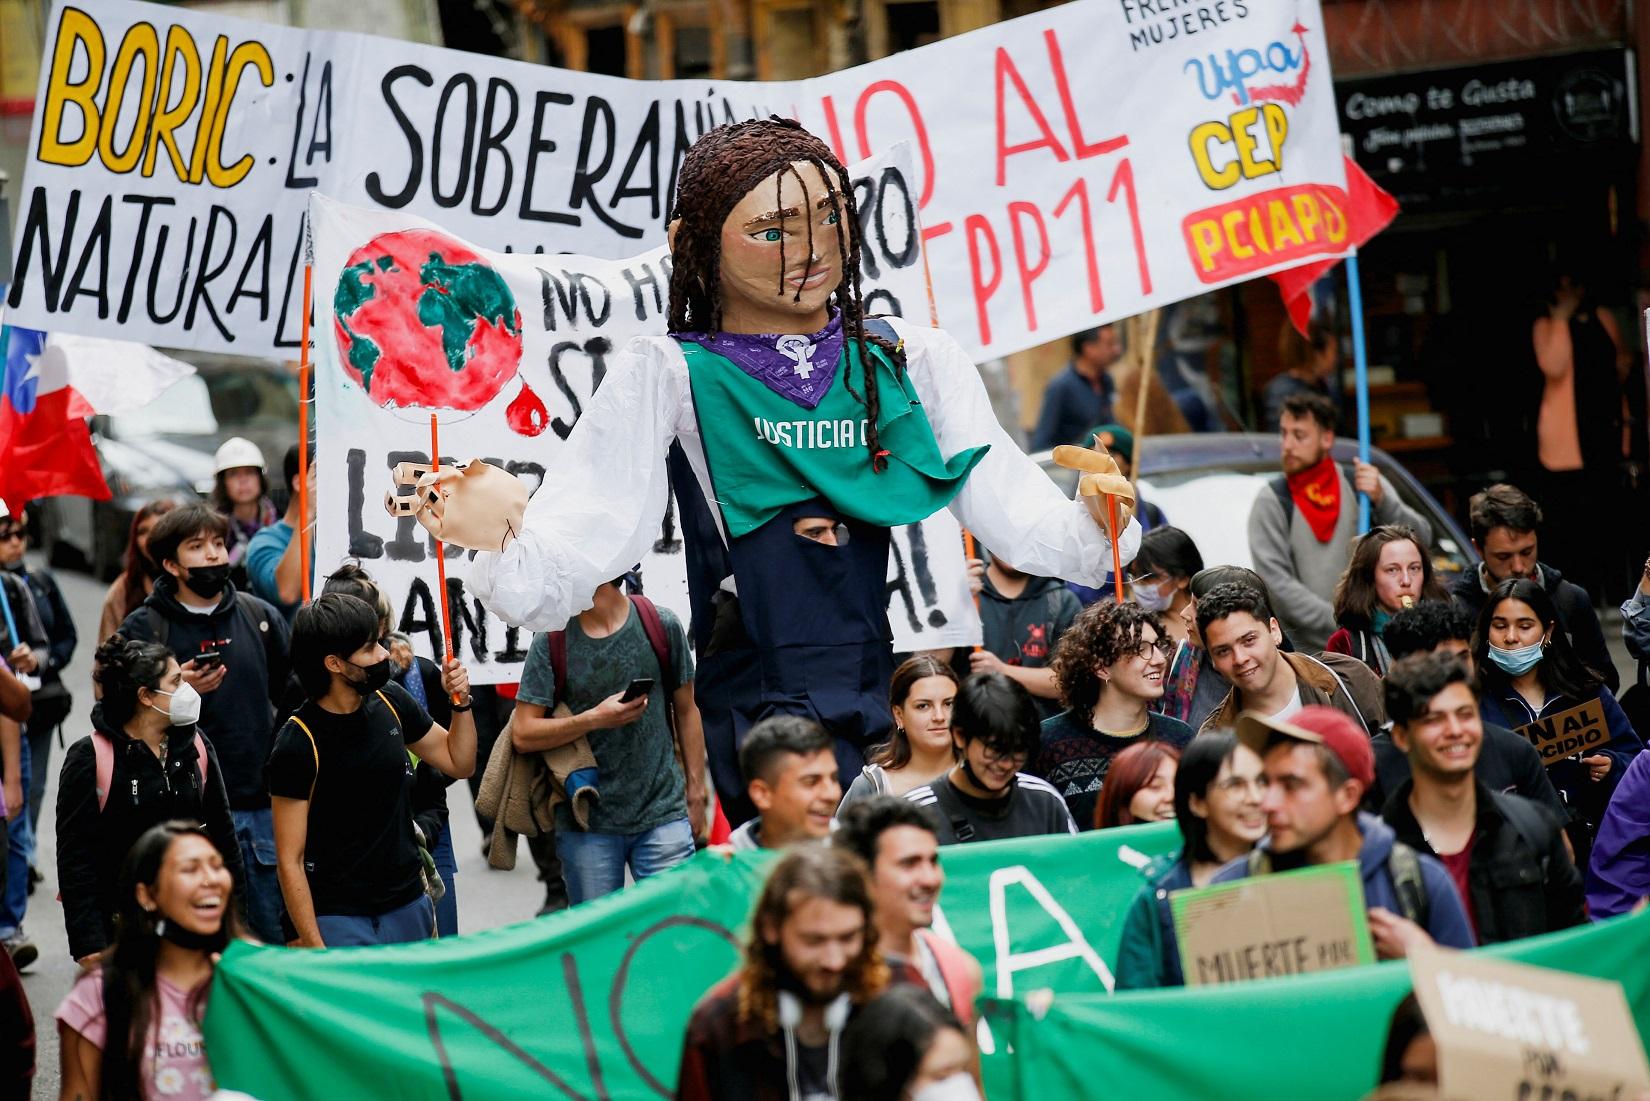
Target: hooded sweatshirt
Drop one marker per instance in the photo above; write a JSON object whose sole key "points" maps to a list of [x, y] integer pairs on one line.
{"points": [[143, 791], [1023, 630], [1446, 916], [238, 717], [1575, 613]]}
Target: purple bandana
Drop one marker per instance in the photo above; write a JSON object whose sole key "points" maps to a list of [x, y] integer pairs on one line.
{"points": [[796, 367]]}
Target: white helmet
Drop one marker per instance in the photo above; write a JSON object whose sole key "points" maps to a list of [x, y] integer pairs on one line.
{"points": [[237, 451]]}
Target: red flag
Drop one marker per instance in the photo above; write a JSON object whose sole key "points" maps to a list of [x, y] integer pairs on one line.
{"points": [[45, 447], [1368, 211]]}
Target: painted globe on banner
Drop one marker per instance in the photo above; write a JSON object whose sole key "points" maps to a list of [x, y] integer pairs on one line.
{"points": [[421, 319]]}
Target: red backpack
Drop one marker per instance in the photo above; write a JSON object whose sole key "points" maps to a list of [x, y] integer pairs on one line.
{"points": [[654, 627], [103, 749]]}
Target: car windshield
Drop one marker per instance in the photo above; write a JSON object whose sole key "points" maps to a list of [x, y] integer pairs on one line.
{"points": [[1211, 504]]}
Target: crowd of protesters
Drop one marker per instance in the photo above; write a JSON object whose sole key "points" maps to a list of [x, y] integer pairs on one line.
{"points": [[262, 767]]}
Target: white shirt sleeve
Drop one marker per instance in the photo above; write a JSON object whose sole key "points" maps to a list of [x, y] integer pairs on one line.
{"points": [[602, 499], [1008, 502]]}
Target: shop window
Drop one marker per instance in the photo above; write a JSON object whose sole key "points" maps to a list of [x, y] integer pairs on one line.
{"points": [[688, 46], [599, 42], [912, 24]]}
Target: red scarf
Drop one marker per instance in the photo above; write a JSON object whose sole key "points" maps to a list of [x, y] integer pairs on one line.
{"points": [[1316, 491]]}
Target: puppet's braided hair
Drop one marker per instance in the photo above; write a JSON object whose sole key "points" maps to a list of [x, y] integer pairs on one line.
{"points": [[721, 168]]}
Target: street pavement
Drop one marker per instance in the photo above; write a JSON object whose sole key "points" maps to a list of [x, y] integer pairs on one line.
{"points": [[486, 898]]}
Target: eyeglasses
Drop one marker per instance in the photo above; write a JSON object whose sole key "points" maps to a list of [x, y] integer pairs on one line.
{"points": [[993, 757], [13, 533], [1144, 650]]}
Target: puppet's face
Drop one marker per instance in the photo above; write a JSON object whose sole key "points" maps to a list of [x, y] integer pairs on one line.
{"points": [[761, 293]]}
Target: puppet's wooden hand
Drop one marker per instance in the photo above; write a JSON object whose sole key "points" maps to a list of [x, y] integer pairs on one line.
{"points": [[1101, 479], [474, 505]]}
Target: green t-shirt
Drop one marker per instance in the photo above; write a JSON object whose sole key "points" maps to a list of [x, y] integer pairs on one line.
{"points": [[765, 452], [640, 781]]}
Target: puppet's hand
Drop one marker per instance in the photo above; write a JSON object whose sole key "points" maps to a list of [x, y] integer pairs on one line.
{"points": [[474, 505], [1101, 479]]}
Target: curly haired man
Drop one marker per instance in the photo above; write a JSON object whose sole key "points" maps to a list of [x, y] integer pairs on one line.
{"points": [[1110, 666]]}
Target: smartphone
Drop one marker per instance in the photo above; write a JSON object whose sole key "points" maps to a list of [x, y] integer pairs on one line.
{"points": [[638, 688], [206, 659]]}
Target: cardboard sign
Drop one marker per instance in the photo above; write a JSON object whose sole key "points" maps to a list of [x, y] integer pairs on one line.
{"points": [[1511, 1030], [1578, 730], [1269, 926]]}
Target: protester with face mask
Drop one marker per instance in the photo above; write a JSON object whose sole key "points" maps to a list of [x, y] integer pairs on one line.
{"points": [[1530, 671], [905, 1046], [340, 779], [1163, 572], [133, 1028], [147, 755], [232, 649]]}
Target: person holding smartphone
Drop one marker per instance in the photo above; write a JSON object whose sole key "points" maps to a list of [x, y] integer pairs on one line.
{"points": [[623, 680]]}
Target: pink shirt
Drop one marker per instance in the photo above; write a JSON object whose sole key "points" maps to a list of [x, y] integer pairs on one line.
{"points": [[175, 1066]]}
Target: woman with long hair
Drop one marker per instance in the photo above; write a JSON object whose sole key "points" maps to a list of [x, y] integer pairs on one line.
{"points": [[905, 1046], [1163, 571], [919, 748], [138, 571], [1389, 571], [130, 1031], [1139, 786], [1530, 672], [1109, 666], [151, 764], [1218, 789]]}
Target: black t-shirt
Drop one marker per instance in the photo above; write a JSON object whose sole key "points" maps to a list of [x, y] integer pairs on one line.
{"points": [[361, 854], [1032, 808]]}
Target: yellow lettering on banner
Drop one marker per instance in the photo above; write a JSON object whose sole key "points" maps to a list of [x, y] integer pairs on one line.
{"points": [[141, 42], [1242, 160], [209, 111], [1204, 136], [75, 31], [247, 53], [169, 115]]}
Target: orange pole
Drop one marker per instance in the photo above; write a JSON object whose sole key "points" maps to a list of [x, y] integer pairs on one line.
{"points": [[1116, 554], [441, 557], [302, 534], [968, 552]]}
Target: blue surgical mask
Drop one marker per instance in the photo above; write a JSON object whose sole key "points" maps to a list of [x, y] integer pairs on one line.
{"points": [[1517, 662]]}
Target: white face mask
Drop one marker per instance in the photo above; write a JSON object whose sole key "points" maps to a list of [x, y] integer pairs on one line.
{"points": [[1150, 597], [958, 1087], [185, 708]]}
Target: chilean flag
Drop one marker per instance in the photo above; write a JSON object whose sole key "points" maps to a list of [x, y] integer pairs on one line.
{"points": [[45, 446]]}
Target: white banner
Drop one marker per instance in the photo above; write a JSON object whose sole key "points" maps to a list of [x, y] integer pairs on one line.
{"points": [[536, 334], [1079, 164]]}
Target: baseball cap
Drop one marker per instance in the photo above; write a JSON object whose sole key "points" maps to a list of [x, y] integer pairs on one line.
{"points": [[1323, 726]]}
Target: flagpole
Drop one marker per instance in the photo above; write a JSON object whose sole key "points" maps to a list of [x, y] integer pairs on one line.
{"points": [[302, 534], [1360, 369]]}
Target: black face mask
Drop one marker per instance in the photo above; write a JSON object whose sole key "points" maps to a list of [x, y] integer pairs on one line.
{"points": [[974, 778], [191, 940], [208, 581], [377, 676]]}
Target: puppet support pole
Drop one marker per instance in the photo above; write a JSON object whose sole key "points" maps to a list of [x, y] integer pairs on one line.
{"points": [[302, 534], [441, 560]]}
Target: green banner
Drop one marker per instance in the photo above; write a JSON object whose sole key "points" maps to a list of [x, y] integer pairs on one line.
{"points": [[592, 1003], [1315, 1036]]}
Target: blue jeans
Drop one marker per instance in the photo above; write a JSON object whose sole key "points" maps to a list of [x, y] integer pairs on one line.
{"points": [[593, 864], [255, 830], [446, 865], [14, 900], [406, 923]]}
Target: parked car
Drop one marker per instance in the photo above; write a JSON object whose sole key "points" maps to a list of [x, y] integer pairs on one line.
{"points": [[165, 450], [1207, 482]]}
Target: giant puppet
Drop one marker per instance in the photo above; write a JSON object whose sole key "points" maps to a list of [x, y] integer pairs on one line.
{"points": [[798, 431]]}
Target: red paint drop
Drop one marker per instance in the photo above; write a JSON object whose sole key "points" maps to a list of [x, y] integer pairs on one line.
{"points": [[527, 415]]}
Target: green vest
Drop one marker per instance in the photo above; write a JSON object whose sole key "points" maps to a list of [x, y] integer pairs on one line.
{"points": [[765, 452]]}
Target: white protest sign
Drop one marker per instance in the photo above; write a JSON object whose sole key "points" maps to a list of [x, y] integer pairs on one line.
{"points": [[1079, 164], [508, 373]]}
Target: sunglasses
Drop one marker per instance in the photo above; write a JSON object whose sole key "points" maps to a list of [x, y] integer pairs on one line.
{"points": [[12, 533]]}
